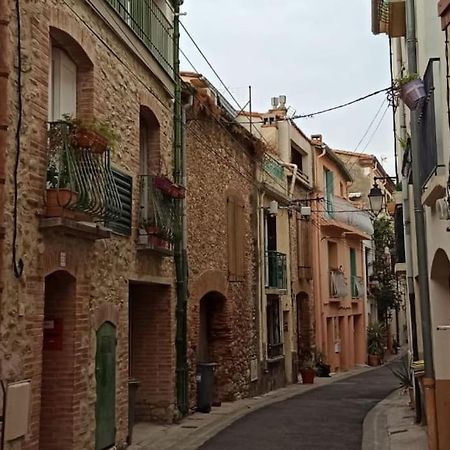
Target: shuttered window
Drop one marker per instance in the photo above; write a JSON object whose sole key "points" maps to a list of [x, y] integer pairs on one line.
{"points": [[124, 183], [235, 238], [328, 181]]}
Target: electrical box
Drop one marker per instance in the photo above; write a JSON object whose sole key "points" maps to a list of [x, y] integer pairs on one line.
{"points": [[273, 208], [17, 410], [305, 211]]}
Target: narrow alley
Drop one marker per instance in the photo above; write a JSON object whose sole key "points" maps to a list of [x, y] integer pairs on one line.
{"points": [[329, 418]]}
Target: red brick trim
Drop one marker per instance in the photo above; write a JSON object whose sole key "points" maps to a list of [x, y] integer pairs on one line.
{"points": [[107, 312]]}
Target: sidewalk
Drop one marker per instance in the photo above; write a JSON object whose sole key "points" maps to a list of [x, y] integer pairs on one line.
{"points": [[196, 429], [390, 426]]}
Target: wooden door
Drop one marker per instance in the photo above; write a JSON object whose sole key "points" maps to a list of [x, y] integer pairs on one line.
{"points": [[105, 374]]}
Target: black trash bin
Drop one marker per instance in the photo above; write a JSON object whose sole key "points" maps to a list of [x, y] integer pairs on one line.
{"points": [[205, 386], [133, 385]]}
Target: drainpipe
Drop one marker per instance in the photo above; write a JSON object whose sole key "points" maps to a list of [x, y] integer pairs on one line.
{"points": [[408, 253], [180, 233], [424, 291], [5, 67]]}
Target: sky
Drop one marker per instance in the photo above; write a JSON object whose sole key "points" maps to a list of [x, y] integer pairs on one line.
{"points": [[319, 53]]}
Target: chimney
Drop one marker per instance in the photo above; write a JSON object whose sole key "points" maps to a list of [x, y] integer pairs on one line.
{"points": [[316, 139]]}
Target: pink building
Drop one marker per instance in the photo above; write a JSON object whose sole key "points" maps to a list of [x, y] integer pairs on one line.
{"points": [[339, 278]]}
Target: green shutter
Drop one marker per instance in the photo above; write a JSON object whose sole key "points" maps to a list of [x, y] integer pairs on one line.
{"points": [[124, 183], [330, 192], [353, 271]]}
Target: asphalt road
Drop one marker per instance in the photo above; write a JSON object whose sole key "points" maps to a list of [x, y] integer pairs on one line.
{"points": [[328, 418]]}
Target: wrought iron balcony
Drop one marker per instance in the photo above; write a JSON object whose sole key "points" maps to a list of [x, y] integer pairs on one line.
{"points": [[157, 224], [276, 272], [150, 24], [80, 183]]}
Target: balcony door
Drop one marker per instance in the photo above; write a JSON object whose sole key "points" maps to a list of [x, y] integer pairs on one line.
{"points": [[62, 98]]}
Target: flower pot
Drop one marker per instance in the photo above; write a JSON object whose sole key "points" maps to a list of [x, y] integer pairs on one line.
{"points": [[307, 375], [59, 202], [374, 360], [413, 93], [168, 188], [90, 139]]}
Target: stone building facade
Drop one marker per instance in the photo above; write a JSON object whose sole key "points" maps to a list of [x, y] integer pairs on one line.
{"points": [[222, 159], [94, 302]]}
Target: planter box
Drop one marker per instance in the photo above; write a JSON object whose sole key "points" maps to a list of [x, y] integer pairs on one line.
{"points": [[168, 188], [58, 203], [90, 139], [413, 93]]}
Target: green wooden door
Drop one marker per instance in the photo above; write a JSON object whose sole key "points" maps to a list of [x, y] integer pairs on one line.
{"points": [[105, 374]]}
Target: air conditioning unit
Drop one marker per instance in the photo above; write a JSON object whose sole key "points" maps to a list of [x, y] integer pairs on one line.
{"points": [[443, 209]]}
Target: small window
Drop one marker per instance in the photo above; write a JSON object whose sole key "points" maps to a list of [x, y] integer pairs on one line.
{"points": [[235, 237], [124, 184], [274, 344]]}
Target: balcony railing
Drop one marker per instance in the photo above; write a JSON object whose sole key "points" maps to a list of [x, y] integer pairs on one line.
{"points": [[338, 284], [79, 180], [276, 273], [150, 24], [427, 124], [157, 213]]}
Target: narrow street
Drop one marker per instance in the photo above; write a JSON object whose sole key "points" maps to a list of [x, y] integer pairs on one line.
{"points": [[329, 418]]}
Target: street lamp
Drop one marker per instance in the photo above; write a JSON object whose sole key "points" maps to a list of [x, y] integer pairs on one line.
{"points": [[376, 199]]}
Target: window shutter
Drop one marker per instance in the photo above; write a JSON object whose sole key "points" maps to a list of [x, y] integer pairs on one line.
{"points": [[304, 248], [240, 242], [63, 86], [124, 183], [231, 238]]}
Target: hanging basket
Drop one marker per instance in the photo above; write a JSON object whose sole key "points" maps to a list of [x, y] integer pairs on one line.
{"points": [[413, 94]]}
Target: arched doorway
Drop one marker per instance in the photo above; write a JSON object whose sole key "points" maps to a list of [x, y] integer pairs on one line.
{"points": [[215, 339], [57, 387], [440, 312], [303, 324]]}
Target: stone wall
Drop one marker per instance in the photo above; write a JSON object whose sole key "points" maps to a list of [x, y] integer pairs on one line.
{"points": [[119, 86], [220, 163]]}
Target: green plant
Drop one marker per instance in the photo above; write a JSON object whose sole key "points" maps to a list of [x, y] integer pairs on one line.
{"points": [[404, 373], [104, 129], [375, 339], [401, 81], [58, 175]]}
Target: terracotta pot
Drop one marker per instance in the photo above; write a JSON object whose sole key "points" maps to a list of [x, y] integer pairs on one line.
{"points": [[307, 376], [59, 202], [92, 140], [413, 93], [374, 360]]}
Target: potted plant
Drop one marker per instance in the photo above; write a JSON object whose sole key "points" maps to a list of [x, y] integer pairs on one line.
{"points": [[59, 194], [405, 376], [322, 368], [95, 135], [307, 370], [411, 90], [375, 347]]}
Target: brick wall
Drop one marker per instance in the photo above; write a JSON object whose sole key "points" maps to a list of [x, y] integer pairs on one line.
{"points": [[220, 162], [114, 86]]}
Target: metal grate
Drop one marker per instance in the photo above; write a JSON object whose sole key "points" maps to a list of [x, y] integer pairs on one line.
{"points": [[150, 24]]}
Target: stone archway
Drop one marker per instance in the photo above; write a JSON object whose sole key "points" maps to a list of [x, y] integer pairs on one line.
{"points": [[215, 340], [440, 312]]}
